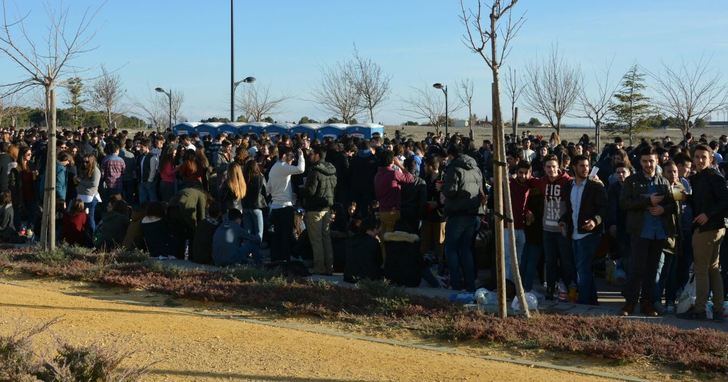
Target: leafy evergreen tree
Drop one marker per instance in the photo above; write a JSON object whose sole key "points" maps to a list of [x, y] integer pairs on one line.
{"points": [[632, 109], [75, 90]]}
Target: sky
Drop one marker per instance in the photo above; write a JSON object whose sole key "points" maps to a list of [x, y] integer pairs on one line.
{"points": [[185, 45]]}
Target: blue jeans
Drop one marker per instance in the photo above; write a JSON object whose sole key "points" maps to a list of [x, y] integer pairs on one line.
{"points": [[253, 221], [529, 264], [584, 250], [459, 234], [684, 261], [91, 214], [520, 245], [147, 192], [665, 280], [559, 259]]}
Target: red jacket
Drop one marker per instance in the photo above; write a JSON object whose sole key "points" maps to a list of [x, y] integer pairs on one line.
{"points": [[519, 195], [74, 227], [554, 199], [388, 186]]}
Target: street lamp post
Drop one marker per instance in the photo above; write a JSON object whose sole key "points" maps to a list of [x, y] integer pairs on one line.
{"points": [[246, 80], [169, 95], [442, 87]]}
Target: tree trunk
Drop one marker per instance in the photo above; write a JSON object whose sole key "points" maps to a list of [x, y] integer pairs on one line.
{"points": [[371, 114], [48, 229], [470, 120], [515, 269], [597, 135], [498, 175]]}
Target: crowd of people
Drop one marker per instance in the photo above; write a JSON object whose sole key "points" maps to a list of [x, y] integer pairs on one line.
{"points": [[651, 215]]}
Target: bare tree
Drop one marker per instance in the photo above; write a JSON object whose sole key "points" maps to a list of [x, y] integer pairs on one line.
{"points": [[466, 89], [257, 102], [154, 109], [106, 93], [45, 63], [178, 98], [337, 94], [9, 109], [514, 87], [690, 92], [553, 88], [428, 105], [482, 38], [370, 82], [597, 106]]}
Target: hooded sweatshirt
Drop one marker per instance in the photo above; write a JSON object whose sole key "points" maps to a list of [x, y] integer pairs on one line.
{"points": [[554, 199], [320, 187], [462, 187]]}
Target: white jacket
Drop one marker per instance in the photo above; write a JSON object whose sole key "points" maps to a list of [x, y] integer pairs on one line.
{"points": [[279, 182]]}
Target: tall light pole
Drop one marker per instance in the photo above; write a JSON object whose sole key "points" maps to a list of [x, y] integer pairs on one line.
{"points": [[169, 95], [246, 80], [232, 64], [442, 87]]}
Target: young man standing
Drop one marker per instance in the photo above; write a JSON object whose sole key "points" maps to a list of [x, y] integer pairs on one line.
{"points": [[282, 202], [647, 198], [586, 208], [710, 208], [388, 182], [148, 165], [519, 195], [464, 201], [318, 198], [557, 248]]}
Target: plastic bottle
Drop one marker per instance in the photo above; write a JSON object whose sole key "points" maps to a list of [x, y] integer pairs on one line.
{"points": [[563, 296], [573, 293], [462, 298]]}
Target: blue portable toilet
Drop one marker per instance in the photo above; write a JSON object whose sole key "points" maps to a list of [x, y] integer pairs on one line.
{"points": [[208, 128], [307, 129], [365, 130], [185, 128], [276, 129], [254, 128], [232, 128], [331, 130]]}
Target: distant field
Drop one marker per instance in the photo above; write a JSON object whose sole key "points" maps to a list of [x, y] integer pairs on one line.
{"points": [[569, 134]]}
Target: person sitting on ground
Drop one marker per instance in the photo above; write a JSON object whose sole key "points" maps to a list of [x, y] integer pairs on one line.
{"points": [[231, 244], [156, 231], [202, 243], [8, 234], [110, 232], [363, 253], [73, 230]]}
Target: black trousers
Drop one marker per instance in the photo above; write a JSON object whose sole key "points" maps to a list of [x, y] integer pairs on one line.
{"points": [[643, 263], [282, 239]]}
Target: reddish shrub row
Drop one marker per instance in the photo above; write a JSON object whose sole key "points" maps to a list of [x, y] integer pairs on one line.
{"points": [[606, 337]]}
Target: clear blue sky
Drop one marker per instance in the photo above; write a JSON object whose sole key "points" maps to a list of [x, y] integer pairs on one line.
{"points": [[184, 44]]}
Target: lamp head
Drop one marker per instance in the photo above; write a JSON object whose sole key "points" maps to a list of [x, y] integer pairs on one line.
{"points": [[159, 90], [438, 85], [248, 80]]}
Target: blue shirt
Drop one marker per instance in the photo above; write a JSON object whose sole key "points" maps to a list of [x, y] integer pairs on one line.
{"points": [[577, 191], [652, 227]]}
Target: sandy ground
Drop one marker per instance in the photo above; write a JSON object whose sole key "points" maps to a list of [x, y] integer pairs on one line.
{"points": [[190, 347]]}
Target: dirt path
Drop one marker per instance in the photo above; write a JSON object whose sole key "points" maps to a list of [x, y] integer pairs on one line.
{"points": [[194, 348]]}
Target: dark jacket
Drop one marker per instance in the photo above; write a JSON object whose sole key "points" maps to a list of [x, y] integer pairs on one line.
{"points": [[710, 197], [110, 232], [463, 187], [363, 258], [189, 207], [201, 251], [320, 187], [157, 237], [5, 161], [228, 200], [414, 198], [634, 199], [255, 194], [593, 207]]}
